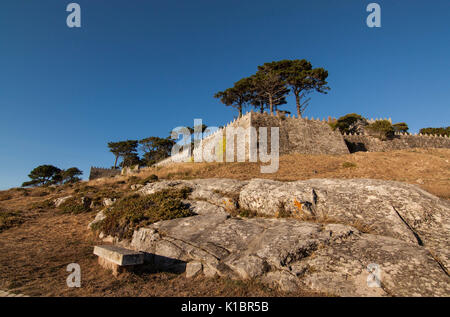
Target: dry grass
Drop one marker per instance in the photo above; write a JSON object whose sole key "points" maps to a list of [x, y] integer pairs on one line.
{"points": [[35, 251], [428, 168], [34, 258]]}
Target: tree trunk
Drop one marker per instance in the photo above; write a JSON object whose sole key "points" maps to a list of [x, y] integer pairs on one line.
{"points": [[115, 162], [240, 111], [271, 104], [297, 101]]}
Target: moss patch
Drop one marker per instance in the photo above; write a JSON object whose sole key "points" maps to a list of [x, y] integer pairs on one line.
{"points": [[135, 211]]}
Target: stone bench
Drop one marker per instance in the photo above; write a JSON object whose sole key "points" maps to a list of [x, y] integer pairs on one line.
{"points": [[118, 259]]}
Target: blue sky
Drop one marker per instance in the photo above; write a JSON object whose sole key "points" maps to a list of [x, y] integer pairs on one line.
{"points": [[140, 68]]}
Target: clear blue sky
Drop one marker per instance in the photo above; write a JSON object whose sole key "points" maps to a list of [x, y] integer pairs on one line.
{"points": [[140, 68]]}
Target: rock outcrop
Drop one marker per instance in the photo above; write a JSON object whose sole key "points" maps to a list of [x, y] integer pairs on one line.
{"points": [[337, 231]]}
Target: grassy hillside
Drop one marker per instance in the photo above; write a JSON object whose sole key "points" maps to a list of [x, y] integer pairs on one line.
{"points": [[38, 241]]}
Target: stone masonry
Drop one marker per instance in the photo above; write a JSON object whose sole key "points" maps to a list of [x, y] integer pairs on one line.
{"points": [[401, 141], [297, 135]]}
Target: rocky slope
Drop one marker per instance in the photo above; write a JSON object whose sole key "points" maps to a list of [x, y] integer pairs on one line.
{"points": [[334, 233]]}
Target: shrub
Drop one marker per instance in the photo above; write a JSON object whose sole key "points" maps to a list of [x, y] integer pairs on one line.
{"points": [[437, 131], [46, 204], [349, 123], [348, 165], [400, 127], [381, 128], [133, 180], [135, 211], [9, 219], [151, 179], [75, 205]]}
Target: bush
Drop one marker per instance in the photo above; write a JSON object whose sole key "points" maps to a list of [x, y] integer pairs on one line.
{"points": [[9, 219], [436, 131], [400, 127], [348, 165], [133, 180], [381, 128], [46, 204], [135, 211], [75, 205], [350, 123], [151, 179]]}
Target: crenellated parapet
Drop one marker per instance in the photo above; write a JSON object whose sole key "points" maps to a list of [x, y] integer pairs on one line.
{"points": [[400, 141], [304, 135]]}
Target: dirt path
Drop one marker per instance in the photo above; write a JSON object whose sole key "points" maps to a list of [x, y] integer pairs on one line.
{"points": [[35, 255]]}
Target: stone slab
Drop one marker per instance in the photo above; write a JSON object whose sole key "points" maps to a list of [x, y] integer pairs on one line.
{"points": [[119, 255]]}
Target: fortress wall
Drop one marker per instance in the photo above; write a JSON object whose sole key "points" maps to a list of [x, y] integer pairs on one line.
{"points": [[399, 142], [299, 135], [296, 136], [210, 140], [179, 157], [308, 136], [220, 137]]}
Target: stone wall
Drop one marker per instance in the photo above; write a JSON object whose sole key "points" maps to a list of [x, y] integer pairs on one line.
{"points": [[301, 135], [220, 139], [297, 135], [306, 136], [400, 141], [99, 172]]}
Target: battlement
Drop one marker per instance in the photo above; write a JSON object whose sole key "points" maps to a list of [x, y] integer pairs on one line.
{"points": [[405, 134], [400, 141], [311, 136], [297, 135]]}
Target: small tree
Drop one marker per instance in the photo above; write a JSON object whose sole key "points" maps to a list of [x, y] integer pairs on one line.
{"points": [[302, 79], [400, 127], [381, 128], [130, 159], [350, 123], [125, 149], [156, 149], [238, 96], [70, 175], [269, 87], [43, 175], [436, 131]]}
